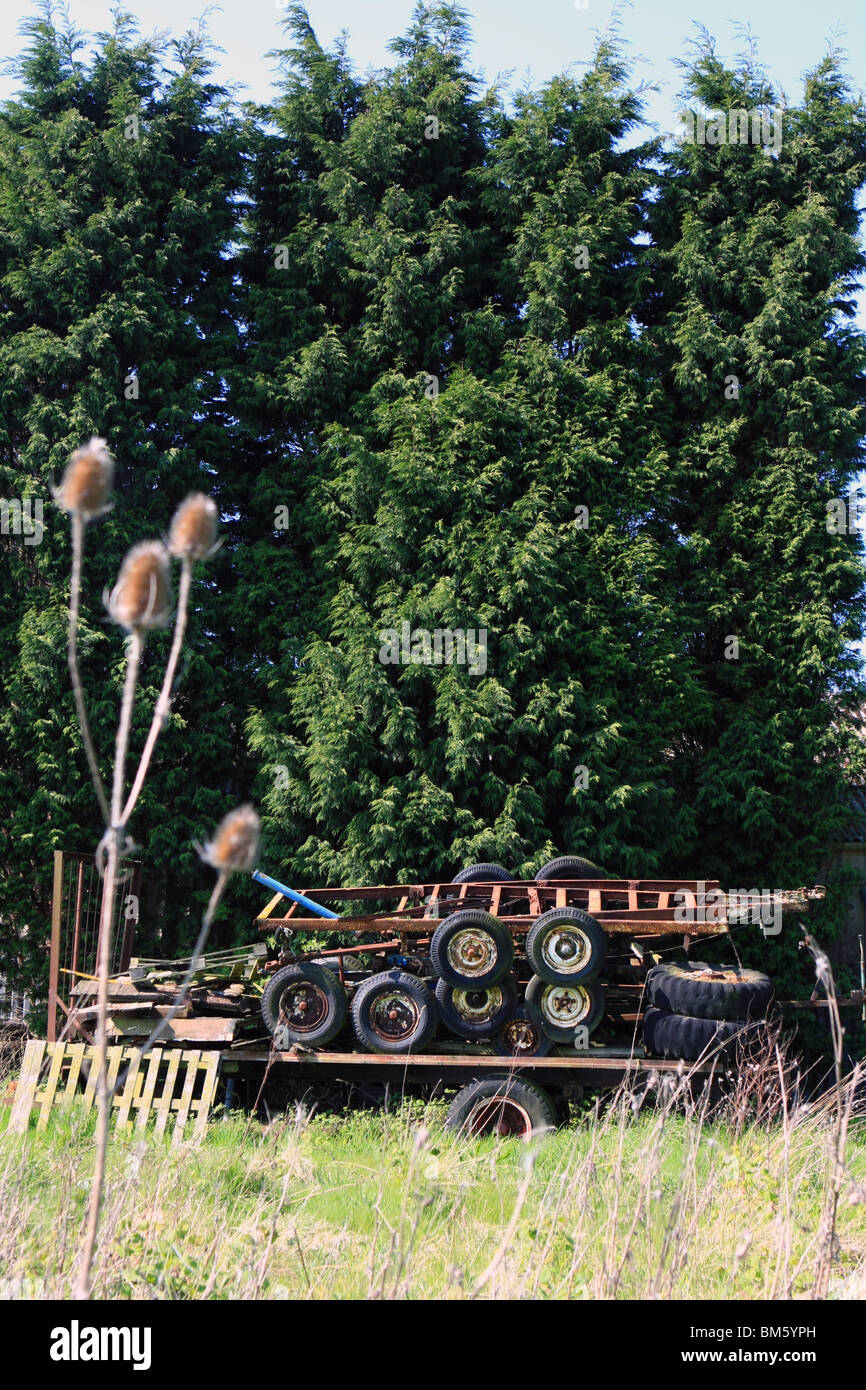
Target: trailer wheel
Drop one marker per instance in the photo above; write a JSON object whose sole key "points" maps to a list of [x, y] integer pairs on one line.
{"points": [[677, 1035], [560, 1009], [521, 1037], [569, 866], [394, 1012], [484, 873], [507, 1106], [566, 946], [306, 1002], [471, 947], [476, 1013], [709, 991]]}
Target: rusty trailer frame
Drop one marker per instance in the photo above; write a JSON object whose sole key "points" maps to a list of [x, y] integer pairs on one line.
{"points": [[636, 907]]}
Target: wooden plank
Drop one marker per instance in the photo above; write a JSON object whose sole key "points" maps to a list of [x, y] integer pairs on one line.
{"points": [[146, 1098], [163, 1104], [129, 1088], [25, 1089], [206, 1029], [192, 1060], [594, 900], [46, 1100], [75, 1056], [270, 907], [210, 1066], [90, 1088]]}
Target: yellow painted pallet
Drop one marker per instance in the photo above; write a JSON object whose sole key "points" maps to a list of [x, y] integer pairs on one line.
{"points": [[175, 1085]]}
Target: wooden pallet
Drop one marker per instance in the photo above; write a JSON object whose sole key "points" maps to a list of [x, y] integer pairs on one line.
{"points": [[162, 1084]]}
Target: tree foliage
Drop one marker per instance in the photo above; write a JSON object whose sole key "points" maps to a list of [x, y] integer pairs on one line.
{"points": [[452, 362]]}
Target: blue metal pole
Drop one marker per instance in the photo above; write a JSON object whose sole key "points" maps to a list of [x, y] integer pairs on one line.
{"points": [[295, 897]]}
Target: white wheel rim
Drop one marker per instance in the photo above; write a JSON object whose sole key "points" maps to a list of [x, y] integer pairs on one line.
{"points": [[476, 1005], [471, 952], [567, 949], [565, 1006]]}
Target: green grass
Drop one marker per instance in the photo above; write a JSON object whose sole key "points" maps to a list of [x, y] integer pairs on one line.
{"points": [[658, 1202]]}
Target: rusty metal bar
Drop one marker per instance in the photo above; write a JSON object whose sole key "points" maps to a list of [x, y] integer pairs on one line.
{"points": [[54, 950]]}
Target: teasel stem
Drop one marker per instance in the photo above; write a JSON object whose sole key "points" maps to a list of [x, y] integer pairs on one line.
{"points": [[163, 704], [74, 672], [115, 836]]}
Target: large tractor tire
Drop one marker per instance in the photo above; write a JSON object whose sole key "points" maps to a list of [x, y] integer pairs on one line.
{"points": [[678, 1035], [506, 1106], [709, 991]]}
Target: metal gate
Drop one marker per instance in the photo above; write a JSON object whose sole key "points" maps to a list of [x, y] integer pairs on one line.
{"points": [[76, 909]]}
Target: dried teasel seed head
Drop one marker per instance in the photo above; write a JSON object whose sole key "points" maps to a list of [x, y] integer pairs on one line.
{"points": [[87, 480], [141, 598], [194, 528], [235, 846]]}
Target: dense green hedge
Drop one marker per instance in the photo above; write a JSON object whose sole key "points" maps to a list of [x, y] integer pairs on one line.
{"points": [[451, 362]]}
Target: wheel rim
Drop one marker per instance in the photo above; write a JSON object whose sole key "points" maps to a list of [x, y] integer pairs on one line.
{"points": [[566, 949], [565, 1006], [521, 1037], [477, 1005], [499, 1115], [394, 1015], [471, 952], [303, 1006]]}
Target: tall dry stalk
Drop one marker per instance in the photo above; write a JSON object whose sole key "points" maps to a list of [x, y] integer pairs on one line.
{"points": [[843, 1102], [139, 602]]}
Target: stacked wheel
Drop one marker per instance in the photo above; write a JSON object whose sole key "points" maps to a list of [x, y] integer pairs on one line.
{"points": [[697, 1011], [304, 1004], [394, 1012]]}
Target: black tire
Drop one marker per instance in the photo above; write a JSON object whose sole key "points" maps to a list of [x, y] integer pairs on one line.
{"points": [[484, 873], [471, 947], [569, 866], [707, 991], [507, 1106], [394, 1012], [560, 1009], [678, 1035], [566, 946], [306, 1002], [476, 1013], [521, 1037]]}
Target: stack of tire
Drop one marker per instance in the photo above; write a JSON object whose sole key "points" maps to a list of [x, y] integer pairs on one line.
{"points": [[698, 1011], [476, 992]]}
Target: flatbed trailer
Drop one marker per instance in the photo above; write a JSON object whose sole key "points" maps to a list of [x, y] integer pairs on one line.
{"points": [[488, 984]]}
